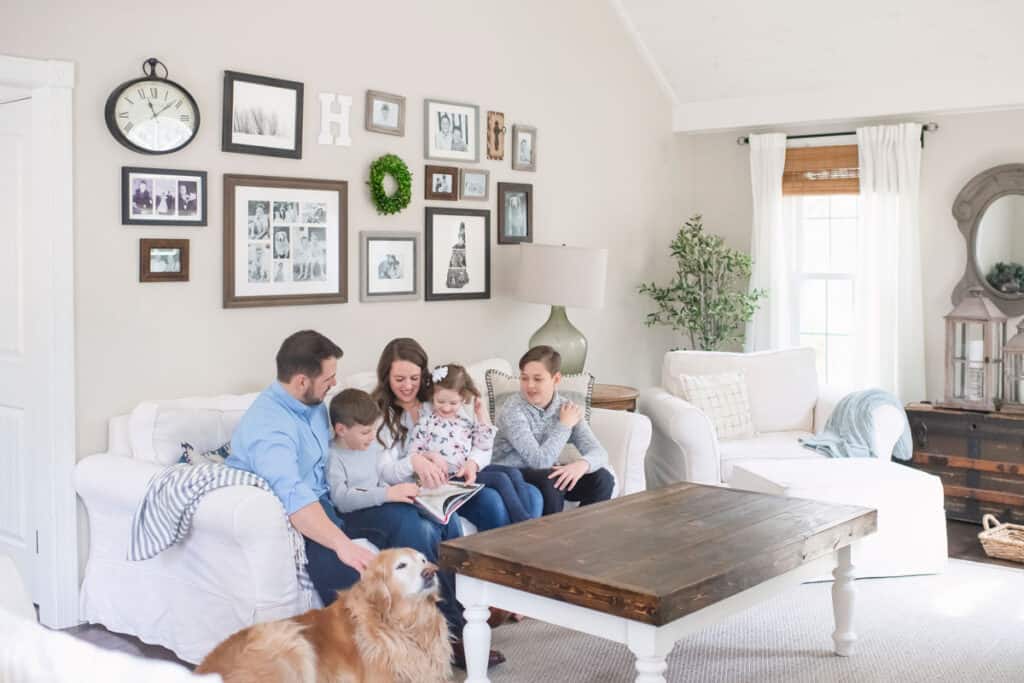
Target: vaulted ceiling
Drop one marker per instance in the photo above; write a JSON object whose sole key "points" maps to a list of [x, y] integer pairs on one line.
{"points": [[742, 63]]}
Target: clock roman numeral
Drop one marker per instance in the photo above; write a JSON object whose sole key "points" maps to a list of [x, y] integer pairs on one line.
{"points": [[128, 127], [177, 105], [123, 114], [186, 117], [166, 94], [142, 94], [153, 93], [128, 99]]}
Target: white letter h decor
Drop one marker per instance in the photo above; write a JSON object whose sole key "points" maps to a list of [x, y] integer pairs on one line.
{"points": [[328, 116]]}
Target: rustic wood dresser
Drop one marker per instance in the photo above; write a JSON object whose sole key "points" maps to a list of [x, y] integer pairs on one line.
{"points": [[979, 457]]}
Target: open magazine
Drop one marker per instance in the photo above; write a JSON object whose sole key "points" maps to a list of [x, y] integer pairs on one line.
{"points": [[441, 502]]}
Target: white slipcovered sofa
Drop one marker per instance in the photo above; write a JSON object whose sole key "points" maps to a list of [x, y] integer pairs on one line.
{"points": [[236, 567]]}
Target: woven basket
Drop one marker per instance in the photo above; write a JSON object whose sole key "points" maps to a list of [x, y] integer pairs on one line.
{"points": [[1005, 541]]}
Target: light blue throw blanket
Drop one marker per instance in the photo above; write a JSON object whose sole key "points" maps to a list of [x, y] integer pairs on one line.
{"points": [[848, 432]]}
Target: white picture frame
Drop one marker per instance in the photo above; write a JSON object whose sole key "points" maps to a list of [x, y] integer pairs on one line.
{"points": [[451, 131], [474, 184]]}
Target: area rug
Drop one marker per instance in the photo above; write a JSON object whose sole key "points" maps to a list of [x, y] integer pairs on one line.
{"points": [[966, 624]]}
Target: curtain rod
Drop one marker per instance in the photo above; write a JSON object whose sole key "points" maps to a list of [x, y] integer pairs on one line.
{"points": [[929, 127]]}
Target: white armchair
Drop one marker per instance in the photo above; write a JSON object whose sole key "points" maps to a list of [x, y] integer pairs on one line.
{"points": [[786, 403]]}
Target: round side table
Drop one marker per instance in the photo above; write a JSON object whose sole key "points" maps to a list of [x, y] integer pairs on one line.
{"points": [[614, 397]]}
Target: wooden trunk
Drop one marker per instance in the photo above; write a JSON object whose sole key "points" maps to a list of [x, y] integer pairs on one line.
{"points": [[978, 456]]}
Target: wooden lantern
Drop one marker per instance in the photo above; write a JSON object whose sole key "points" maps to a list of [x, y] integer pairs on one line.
{"points": [[975, 333], [1013, 372]]}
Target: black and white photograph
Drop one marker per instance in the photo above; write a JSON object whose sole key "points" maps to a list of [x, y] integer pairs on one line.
{"points": [[385, 113], [524, 148], [388, 267], [259, 220], [155, 196], [282, 242], [475, 184], [163, 260], [298, 255], [451, 131], [458, 254], [515, 213], [262, 115], [440, 182]]}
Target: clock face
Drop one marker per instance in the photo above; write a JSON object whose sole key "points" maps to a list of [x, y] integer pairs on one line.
{"points": [[153, 115]]}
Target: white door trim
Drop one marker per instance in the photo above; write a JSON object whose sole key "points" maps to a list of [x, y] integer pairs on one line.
{"points": [[51, 83]]}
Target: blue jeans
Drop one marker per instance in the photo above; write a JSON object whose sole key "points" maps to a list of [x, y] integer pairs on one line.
{"points": [[328, 573], [487, 511], [514, 491], [400, 525]]}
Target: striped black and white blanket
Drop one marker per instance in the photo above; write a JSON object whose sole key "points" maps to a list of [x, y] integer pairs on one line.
{"points": [[164, 516]]}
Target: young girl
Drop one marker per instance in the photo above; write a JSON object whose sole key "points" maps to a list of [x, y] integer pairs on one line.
{"points": [[456, 437]]}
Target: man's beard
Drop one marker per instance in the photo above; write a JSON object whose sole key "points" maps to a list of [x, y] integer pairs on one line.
{"points": [[310, 398]]}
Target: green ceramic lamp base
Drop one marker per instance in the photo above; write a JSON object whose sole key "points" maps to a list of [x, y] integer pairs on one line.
{"points": [[561, 335]]}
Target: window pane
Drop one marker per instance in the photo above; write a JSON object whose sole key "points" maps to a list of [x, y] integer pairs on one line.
{"points": [[816, 206], [816, 342], [813, 302], [840, 361], [843, 206], [815, 246], [844, 245], [840, 307]]}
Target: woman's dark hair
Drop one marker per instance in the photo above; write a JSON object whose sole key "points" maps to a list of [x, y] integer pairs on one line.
{"points": [[304, 353], [409, 350]]}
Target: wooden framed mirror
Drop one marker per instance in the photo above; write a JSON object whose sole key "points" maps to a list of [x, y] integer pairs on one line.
{"points": [[989, 212]]}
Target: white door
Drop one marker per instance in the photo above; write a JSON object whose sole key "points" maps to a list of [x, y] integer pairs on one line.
{"points": [[25, 339]]}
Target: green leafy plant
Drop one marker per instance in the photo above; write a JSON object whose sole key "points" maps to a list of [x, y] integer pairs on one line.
{"points": [[390, 165], [707, 299]]}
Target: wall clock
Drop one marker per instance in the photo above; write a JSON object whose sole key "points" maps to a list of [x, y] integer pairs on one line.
{"points": [[152, 114]]}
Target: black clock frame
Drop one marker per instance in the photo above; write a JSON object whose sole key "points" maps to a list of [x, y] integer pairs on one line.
{"points": [[108, 114]]}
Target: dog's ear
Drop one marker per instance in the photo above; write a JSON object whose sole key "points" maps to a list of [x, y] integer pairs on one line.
{"points": [[374, 590]]}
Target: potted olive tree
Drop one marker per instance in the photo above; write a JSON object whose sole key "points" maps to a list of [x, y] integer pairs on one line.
{"points": [[707, 300]]}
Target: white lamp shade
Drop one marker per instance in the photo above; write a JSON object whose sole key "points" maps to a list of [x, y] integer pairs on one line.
{"points": [[562, 276]]}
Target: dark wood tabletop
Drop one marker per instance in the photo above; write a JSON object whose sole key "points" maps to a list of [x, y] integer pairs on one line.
{"points": [[659, 555]]}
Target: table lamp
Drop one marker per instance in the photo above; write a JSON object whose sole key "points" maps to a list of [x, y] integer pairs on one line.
{"points": [[562, 276]]}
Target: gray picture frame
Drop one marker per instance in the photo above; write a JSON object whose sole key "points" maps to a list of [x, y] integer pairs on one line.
{"points": [[398, 100], [367, 236], [434, 153], [462, 184], [517, 129]]}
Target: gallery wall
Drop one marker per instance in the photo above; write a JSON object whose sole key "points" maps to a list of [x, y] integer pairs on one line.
{"points": [[965, 145], [609, 174]]}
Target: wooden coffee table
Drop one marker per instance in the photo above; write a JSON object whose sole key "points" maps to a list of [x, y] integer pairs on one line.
{"points": [[648, 569]]}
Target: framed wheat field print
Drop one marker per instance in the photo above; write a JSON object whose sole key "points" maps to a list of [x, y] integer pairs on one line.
{"points": [[285, 241], [262, 115], [458, 254]]}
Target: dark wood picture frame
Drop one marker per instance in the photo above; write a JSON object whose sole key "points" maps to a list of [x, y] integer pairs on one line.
{"points": [[146, 274], [428, 250], [126, 196], [228, 145], [503, 190], [428, 181], [231, 185]]}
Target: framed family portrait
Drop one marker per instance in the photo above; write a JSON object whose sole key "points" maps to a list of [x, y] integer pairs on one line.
{"points": [[388, 266], [474, 184], [524, 148], [451, 131], [385, 113], [515, 213], [163, 260], [458, 254], [495, 135], [441, 182], [262, 115], [285, 241], [161, 196]]}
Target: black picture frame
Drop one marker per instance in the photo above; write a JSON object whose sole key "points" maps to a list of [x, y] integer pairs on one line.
{"points": [[228, 144], [429, 293], [503, 190], [129, 216]]}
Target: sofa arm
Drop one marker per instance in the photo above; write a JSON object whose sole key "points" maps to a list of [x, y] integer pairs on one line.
{"points": [[889, 421], [626, 437], [684, 445]]}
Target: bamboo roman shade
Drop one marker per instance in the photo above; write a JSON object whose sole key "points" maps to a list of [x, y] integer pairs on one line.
{"points": [[821, 170]]}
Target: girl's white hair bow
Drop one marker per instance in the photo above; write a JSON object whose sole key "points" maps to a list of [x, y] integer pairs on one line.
{"points": [[439, 373]]}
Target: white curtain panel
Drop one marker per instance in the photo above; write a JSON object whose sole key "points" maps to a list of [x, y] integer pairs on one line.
{"points": [[771, 326], [888, 300]]}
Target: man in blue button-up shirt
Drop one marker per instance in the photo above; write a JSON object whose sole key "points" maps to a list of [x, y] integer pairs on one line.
{"points": [[285, 438]]}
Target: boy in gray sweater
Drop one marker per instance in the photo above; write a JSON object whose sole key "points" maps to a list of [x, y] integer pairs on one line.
{"points": [[534, 427]]}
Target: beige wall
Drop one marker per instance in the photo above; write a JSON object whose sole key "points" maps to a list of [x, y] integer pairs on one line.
{"points": [[964, 145], [609, 174]]}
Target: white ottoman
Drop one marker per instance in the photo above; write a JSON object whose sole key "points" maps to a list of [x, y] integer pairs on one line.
{"points": [[911, 537]]}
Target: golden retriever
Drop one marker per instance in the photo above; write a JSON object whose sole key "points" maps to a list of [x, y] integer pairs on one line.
{"points": [[386, 628]]}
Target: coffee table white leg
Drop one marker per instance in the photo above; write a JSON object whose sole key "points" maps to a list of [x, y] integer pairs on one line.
{"points": [[843, 594], [476, 635], [650, 653]]}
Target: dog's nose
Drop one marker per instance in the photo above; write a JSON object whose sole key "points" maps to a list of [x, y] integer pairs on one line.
{"points": [[428, 571]]}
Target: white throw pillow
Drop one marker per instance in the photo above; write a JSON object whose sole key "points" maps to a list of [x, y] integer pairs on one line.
{"points": [[723, 398], [577, 388]]}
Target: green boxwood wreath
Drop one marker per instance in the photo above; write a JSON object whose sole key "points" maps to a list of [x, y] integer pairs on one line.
{"points": [[390, 165]]}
